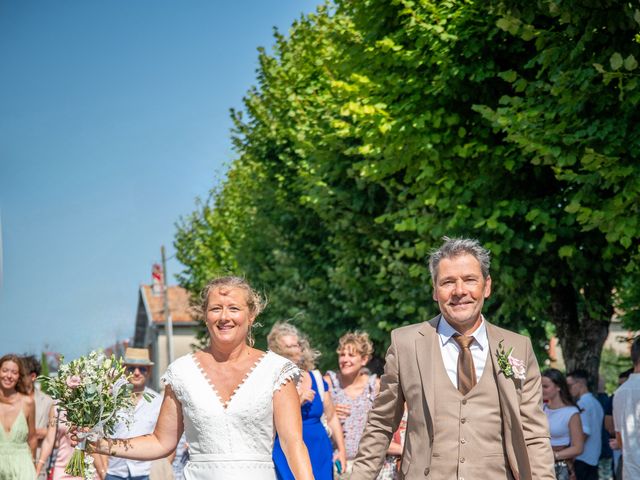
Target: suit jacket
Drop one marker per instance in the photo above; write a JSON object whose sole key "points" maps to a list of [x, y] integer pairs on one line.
{"points": [[409, 376]]}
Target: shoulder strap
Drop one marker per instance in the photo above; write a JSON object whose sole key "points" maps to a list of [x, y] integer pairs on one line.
{"points": [[319, 382], [372, 386], [335, 384]]}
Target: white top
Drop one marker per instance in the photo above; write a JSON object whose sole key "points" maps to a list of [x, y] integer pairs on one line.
{"points": [[450, 349], [592, 416], [234, 440], [144, 421], [559, 424], [626, 419]]}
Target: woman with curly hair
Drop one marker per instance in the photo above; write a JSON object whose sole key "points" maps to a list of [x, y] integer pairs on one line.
{"points": [[17, 416], [315, 403], [353, 389]]}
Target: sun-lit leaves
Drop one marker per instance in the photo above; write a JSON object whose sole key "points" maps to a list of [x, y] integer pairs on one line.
{"points": [[377, 127]]}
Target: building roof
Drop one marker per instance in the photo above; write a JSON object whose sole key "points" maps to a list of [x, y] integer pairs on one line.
{"points": [[179, 303]]}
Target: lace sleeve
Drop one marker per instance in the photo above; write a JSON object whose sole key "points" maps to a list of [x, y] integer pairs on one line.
{"points": [[288, 372], [170, 378]]}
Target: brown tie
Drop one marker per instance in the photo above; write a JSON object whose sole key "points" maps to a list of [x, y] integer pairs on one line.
{"points": [[466, 368]]}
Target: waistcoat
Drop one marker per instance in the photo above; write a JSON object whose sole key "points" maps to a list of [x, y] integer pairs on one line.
{"points": [[468, 442]]}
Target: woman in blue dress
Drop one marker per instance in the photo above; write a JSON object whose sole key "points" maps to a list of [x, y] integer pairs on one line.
{"points": [[318, 413]]}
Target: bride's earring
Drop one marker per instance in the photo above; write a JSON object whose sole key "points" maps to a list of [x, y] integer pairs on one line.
{"points": [[250, 340]]}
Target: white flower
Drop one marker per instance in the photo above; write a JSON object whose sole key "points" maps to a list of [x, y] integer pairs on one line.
{"points": [[518, 367]]}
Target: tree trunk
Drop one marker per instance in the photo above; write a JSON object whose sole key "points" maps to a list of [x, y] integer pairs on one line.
{"points": [[580, 334]]}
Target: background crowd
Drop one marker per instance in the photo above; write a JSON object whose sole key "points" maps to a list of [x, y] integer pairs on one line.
{"points": [[593, 435]]}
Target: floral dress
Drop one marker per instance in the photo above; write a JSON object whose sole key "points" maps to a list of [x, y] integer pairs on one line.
{"points": [[353, 426]]}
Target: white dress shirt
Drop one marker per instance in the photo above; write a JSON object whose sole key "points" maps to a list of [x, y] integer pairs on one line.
{"points": [[626, 419], [144, 422], [450, 349]]}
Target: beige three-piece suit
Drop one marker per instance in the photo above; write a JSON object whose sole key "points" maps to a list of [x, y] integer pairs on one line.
{"points": [[497, 431]]}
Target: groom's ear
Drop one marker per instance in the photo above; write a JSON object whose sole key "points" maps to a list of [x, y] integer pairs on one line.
{"points": [[487, 286]]}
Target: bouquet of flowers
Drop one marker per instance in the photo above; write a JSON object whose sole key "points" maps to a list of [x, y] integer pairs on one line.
{"points": [[95, 394]]}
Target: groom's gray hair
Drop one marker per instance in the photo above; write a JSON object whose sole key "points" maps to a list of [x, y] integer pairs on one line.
{"points": [[452, 247]]}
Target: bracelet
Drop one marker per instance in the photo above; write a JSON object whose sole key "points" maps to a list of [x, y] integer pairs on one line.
{"points": [[40, 462]]}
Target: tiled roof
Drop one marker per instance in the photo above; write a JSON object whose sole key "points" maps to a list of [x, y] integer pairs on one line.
{"points": [[178, 304]]}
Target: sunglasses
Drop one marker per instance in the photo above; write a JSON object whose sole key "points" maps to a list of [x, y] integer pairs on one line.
{"points": [[142, 369]]}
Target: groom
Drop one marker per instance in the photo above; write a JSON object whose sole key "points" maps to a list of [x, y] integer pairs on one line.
{"points": [[472, 413]]}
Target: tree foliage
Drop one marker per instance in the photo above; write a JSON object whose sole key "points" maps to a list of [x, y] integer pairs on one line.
{"points": [[377, 127]]}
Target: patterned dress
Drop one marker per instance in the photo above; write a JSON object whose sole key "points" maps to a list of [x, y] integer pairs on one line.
{"points": [[353, 426]]}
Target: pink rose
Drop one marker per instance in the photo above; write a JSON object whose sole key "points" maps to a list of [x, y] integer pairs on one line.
{"points": [[518, 367], [74, 381]]}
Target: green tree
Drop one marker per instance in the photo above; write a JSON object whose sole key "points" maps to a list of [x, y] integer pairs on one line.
{"points": [[377, 127]]}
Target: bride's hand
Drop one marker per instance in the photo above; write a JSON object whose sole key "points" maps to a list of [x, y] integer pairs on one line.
{"points": [[75, 439], [73, 434]]}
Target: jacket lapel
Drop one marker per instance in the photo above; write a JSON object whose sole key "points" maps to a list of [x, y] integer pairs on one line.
{"points": [[506, 386], [509, 406], [427, 350]]}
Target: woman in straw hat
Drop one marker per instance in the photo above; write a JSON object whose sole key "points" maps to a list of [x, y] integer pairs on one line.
{"points": [[227, 399]]}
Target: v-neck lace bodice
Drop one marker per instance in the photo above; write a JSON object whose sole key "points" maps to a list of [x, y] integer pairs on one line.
{"points": [[232, 440], [225, 403]]}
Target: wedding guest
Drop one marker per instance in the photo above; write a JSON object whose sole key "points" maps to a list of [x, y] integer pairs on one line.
{"points": [[42, 401], [227, 399], [148, 402], [626, 417], [615, 447], [315, 402], [592, 416], [474, 410], [353, 389], [179, 458], [17, 420], [605, 466], [565, 426], [56, 442]]}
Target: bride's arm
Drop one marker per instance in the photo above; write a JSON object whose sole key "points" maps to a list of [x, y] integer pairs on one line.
{"points": [[158, 444], [286, 414]]}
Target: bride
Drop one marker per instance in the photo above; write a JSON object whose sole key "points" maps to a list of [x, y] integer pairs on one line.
{"points": [[227, 399]]}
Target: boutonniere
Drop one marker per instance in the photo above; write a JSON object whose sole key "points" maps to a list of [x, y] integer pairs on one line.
{"points": [[509, 365]]}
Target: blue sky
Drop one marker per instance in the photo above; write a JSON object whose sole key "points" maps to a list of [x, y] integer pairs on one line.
{"points": [[114, 117]]}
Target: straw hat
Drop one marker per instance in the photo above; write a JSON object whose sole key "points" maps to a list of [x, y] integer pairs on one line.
{"points": [[137, 356]]}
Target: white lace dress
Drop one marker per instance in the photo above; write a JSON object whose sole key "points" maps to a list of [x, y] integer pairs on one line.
{"points": [[231, 441]]}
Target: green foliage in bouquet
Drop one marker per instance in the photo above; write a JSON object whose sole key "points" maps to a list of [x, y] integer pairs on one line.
{"points": [[95, 394]]}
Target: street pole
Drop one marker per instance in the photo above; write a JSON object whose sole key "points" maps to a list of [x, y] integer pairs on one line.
{"points": [[167, 313]]}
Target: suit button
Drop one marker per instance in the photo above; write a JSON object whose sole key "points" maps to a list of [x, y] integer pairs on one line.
{"points": [[464, 401], [462, 460], [463, 441], [463, 420], [426, 471]]}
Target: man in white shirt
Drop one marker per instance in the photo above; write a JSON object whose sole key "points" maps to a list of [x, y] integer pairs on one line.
{"points": [[626, 417], [592, 416], [146, 413]]}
